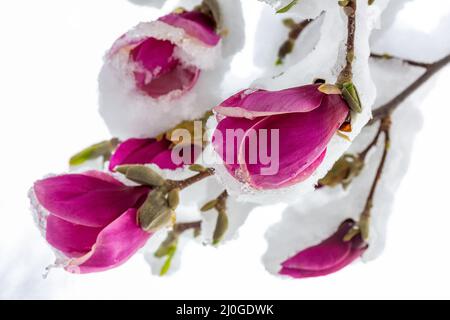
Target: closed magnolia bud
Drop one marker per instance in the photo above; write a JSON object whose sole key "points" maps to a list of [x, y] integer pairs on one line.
{"points": [[209, 205], [197, 168], [101, 149], [364, 224], [343, 172], [221, 227], [155, 213], [329, 256], [142, 175], [162, 219], [173, 198]]}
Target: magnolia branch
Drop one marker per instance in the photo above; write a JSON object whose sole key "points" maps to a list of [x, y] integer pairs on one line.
{"points": [[373, 143], [366, 214], [346, 74], [407, 61], [183, 184], [179, 228], [392, 105], [296, 30]]}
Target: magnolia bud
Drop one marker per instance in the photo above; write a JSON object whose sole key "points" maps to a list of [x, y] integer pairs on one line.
{"points": [[141, 174], [155, 213], [209, 205], [221, 227], [364, 224], [173, 198], [197, 168], [101, 149], [343, 172]]}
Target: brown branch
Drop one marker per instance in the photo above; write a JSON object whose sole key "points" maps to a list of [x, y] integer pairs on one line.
{"points": [[183, 184], [182, 227], [366, 214], [407, 61], [392, 105], [362, 155], [288, 46], [346, 74]]}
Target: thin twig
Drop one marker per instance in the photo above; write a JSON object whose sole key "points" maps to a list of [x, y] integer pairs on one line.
{"points": [[183, 184], [288, 46], [362, 155], [385, 128], [392, 105], [182, 227], [346, 74], [407, 61], [366, 214]]}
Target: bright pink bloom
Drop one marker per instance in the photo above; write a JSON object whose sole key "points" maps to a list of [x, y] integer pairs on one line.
{"points": [[149, 151], [306, 118], [157, 68], [330, 256], [91, 219], [143, 151]]}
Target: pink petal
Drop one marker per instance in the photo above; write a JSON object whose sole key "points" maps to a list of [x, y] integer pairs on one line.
{"points": [[73, 240], [302, 273], [303, 138], [139, 151], [256, 103], [86, 200], [324, 255], [102, 176], [330, 256], [159, 72], [196, 25], [272, 181], [115, 245], [154, 54], [232, 131]]}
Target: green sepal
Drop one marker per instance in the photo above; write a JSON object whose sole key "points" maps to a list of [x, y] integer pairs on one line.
{"points": [[287, 7], [351, 96], [101, 149]]}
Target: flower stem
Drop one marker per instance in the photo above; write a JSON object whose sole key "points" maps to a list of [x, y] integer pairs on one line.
{"points": [[346, 74], [295, 31], [407, 61], [366, 214], [183, 184], [362, 155], [392, 105], [179, 228]]}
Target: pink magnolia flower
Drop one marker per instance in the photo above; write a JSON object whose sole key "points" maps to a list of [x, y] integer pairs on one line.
{"points": [[151, 151], [157, 69], [330, 256], [152, 70], [304, 118], [90, 218]]}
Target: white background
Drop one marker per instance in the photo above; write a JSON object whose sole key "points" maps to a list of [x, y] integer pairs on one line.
{"points": [[50, 54]]}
